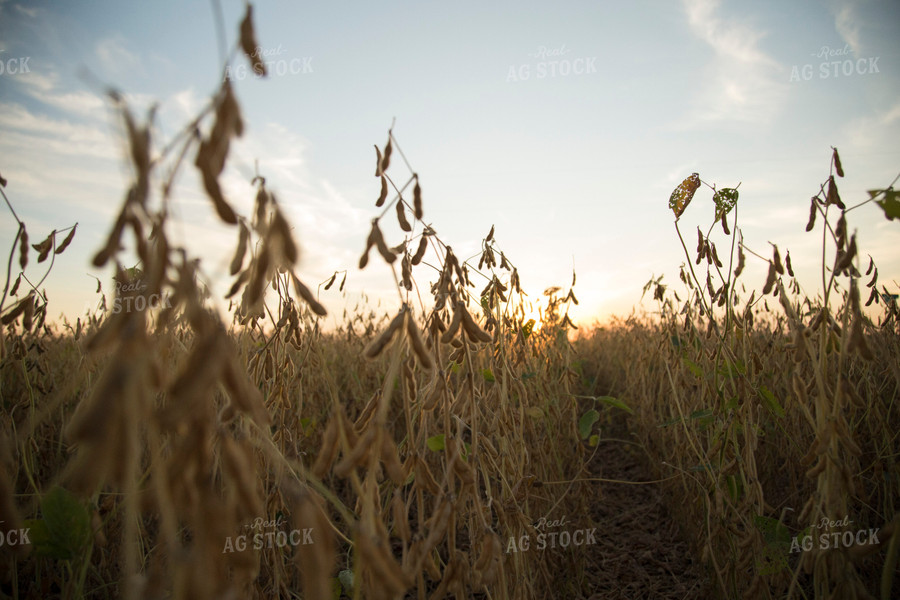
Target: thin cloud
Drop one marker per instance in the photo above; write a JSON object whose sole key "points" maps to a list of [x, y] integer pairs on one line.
{"points": [[115, 59], [874, 131], [28, 12], [847, 24], [741, 82]]}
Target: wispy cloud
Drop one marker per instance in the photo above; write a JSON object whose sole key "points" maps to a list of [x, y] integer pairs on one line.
{"points": [[741, 82], [115, 59], [847, 24], [30, 12], [873, 131]]}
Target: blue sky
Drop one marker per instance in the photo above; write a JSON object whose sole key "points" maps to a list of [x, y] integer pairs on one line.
{"points": [[572, 169]]}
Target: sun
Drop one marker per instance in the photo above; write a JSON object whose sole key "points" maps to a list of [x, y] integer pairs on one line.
{"points": [[531, 311]]}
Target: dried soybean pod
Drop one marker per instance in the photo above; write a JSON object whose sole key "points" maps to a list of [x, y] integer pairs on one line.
{"points": [[770, 280], [238, 460], [307, 296], [28, 312], [812, 214], [715, 257], [432, 401], [380, 343], [390, 457], [837, 163], [23, 247], [378, 161], [776, 260], [386, 160], [417, 199], [378, 238], [384, 190], [67, 241], [424, 479], [249, 45], [238, 261], [316, 561], [378, 556], [401, 217], [357, 456], [418, 345], [476, 333], [401, 517], [328, 450], [420, 251], [454, 324]]}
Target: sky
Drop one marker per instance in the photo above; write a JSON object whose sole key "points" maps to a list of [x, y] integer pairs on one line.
{"points": [[564, 125]]}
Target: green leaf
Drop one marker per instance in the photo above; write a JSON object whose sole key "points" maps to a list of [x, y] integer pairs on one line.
{"points": [[703, 417], [730, 370], [595, 439], [346, 579], [732, 403], [435, 442], [725, 200], [528, 328], [707, 467], [772, 530], [615, 402], [890, 204], [65, 529], [771, 402], [488, 375], [703, 413], [534, 412], [693, 367], [734, 487], [305, 423], [586, 422], [454, 366]]}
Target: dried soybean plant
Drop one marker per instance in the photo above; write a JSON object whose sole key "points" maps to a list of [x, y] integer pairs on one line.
{"points": [[32, 307], [769, 453], [445, 460], [408, 449], [167, 435]]}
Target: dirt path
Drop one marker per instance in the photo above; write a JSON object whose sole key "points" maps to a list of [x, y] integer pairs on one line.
{"points": [[639, 552]]}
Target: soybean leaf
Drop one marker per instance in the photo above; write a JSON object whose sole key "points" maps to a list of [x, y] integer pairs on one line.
{"points": [[725, 200], [586, 422], [683, 194], [616, 402], [65, 528], [771, 402], [890, 204]]}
